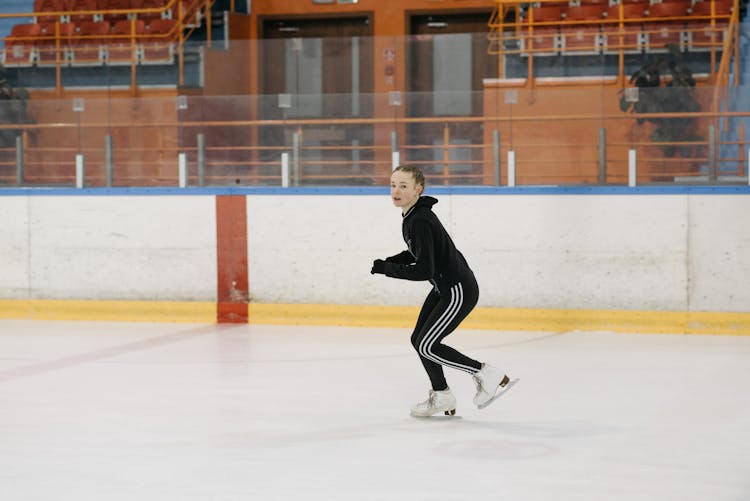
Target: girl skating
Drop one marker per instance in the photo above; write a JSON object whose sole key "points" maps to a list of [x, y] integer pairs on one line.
{"points": [[432, 256]]}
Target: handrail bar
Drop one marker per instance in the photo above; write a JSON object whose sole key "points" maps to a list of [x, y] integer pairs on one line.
{"points": [[373, 121], [34, 14]]}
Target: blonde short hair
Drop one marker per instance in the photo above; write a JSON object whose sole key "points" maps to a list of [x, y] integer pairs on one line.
{"points": [[415, 172]]}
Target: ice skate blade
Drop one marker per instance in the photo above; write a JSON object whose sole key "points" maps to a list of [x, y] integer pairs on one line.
{"points": [[440, 415], [499, 393]]}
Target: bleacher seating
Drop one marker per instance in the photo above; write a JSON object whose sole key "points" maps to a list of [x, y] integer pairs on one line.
{"points": [[20, 45], [582, 27], [89, 46], [118, 5], [82, 6], [668, 27], [41, 6], [122, 48], [95, 32], [545, 38], [159, 45], [585, 38], [633, 40], [701, 33], [54, 43], [152, 4]]}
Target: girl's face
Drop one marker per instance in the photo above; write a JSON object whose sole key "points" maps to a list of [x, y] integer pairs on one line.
{"points": [[404, 190]]}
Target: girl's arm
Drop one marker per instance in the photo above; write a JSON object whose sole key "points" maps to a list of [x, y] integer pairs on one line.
{"points": [[404, 257], [421, 268]]}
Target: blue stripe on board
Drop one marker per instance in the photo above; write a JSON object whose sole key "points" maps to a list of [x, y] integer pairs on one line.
{"points": [[381, 190]]}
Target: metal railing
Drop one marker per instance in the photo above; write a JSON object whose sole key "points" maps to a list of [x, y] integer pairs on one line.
{"points": [[163, 145]]}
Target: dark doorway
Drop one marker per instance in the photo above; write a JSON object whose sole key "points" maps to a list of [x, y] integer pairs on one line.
{"points": [[448, 60], [320, 68]]}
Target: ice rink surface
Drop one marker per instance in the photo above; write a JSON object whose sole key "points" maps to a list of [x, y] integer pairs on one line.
{"points": [[117, 411]]}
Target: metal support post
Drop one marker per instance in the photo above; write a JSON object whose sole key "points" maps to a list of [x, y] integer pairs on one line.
{"points": [[285, 170], [632, 163], [712, 153], [108, 167], [19, 161], [80, 170], [496, 155], [511, 168], [201, 143], [395, 154], [295, 158], [182, 169], [602, 156]]}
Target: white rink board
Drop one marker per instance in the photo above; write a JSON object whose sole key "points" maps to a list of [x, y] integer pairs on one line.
{"points": [[673, 252], [316, 249], [719, 260], [118, 248], [592, 252], [14, 247], [528, 251]]}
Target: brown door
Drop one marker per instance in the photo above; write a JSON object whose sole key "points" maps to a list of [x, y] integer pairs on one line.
{"points": [[320, 68], [327, 56], [447, 63]]}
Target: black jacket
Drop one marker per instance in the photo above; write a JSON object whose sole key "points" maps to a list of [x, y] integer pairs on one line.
{"points": [[432, 255]]}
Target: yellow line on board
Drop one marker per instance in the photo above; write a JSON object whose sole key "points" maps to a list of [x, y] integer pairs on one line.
{"points": [[656, 322], [522, 319], [332, 314], [115, 311]]}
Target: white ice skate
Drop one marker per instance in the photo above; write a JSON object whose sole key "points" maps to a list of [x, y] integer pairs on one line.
{"points": [[491, 383], [439, 401]]}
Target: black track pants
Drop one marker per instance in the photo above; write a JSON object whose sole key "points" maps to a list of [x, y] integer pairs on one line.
{"points": [[440, 315]]}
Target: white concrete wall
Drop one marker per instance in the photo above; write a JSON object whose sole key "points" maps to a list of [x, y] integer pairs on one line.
{"points": [[14, 247], [108, 247], [631, 252], [719, 253], [641, 252], [600, 252]]}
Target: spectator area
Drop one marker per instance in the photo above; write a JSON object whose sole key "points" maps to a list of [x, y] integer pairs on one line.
{"points": [[594, 33], [97, 32], [593, 27]]}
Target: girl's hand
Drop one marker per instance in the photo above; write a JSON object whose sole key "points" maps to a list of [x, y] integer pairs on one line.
{"points": [[378, 266]]}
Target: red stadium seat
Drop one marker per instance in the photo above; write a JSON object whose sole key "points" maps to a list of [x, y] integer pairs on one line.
{"points": [[632, 37], [661, 34], [41, 6], [116, 5], [545, 39], [583, 38], [702, 35], [549, 12], [674, 8], [20, 45], [89, 44], [125, 42], [83, 5], [162, 27], [703, 8], [159, 44], [53, 47], [151, 4]]}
